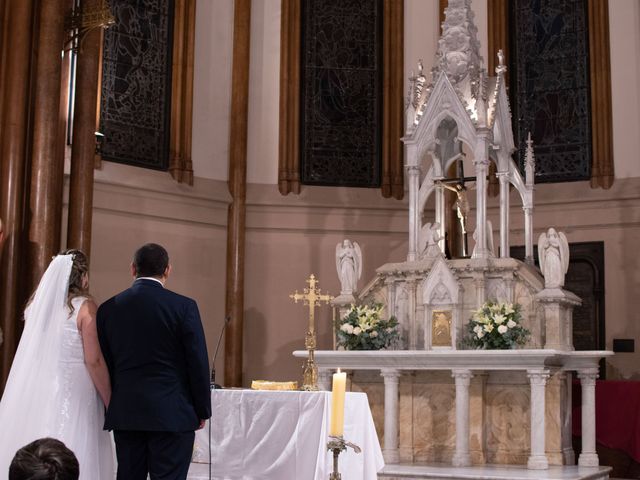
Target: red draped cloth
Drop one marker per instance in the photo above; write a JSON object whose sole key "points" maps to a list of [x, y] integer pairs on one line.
{"points": [[617, 415]]}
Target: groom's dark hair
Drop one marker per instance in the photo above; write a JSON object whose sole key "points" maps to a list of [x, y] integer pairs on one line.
{"points": [[44, 459], [150, 260]]}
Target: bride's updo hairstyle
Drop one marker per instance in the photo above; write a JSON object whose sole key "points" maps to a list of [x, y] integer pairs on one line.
{"points": [[44, 459], [78, 286]]}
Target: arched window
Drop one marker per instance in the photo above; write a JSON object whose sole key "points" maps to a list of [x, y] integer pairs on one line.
{"points": [[560, 84], [341, 115]]}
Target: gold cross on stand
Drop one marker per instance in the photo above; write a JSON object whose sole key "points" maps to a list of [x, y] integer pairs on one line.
{"points": [[311, 298]]}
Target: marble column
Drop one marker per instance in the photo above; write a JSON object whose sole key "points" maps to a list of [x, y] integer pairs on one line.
{"points": [[441, 215], [481, 162], [411, 312], [568, 455], [528, 235], [83, 149], [462, 457], [538, 458], [47, 167], [504, 214], [413, 174], [588, 456], [479, 283], [15, 92], [390, 451], [236, 228]]}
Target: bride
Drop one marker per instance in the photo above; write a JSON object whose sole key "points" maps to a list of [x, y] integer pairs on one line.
{"points": [[59, 383]]}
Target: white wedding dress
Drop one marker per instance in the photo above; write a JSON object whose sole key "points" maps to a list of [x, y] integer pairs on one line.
{"points": [[49, 392]]}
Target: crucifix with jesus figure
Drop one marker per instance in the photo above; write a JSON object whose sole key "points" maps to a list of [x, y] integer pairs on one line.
{"points": [[457, 185]]}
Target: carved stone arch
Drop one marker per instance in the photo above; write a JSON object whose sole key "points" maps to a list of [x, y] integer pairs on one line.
{"points": [[444, 102], [440, 297]]}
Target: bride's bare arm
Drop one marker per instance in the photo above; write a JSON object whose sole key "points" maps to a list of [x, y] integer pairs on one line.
{"points": [[93, 358]]}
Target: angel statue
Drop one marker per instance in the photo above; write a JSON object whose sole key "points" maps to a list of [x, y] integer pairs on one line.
{"points": [[429, 238], [349, 265], [553, 254]]}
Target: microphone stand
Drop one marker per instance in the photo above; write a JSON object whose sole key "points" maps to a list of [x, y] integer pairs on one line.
{"points": [[213, 384]]}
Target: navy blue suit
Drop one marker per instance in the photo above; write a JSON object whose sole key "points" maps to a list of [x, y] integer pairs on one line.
{"points": [[153, 342]]}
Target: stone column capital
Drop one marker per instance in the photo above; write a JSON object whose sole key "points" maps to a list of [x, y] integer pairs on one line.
{"points": [[462, 376], [390, 375], [412, 170], [538, 377], [588, 376]]}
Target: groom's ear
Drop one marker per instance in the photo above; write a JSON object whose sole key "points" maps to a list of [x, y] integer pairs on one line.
{"points": [[134, 273], [167, 271]]}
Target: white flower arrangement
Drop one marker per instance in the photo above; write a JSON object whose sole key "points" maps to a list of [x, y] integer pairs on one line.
{"points": [[496, 326], [363, 329]]}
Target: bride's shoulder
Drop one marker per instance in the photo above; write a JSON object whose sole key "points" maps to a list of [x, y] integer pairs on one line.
{"points": [[84, 302]]}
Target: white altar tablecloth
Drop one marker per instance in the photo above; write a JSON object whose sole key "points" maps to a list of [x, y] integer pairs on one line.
{"points": [[283, 435]]}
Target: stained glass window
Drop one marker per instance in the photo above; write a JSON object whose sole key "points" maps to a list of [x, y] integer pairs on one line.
{"points": [[341, 92], [136, 83], [550, 90]]}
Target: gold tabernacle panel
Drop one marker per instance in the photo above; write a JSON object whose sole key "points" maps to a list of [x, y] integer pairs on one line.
{"points": [[441, 328]]}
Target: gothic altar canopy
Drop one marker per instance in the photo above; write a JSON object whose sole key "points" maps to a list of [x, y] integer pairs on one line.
{"points": [[511, 406], [463, 111]]}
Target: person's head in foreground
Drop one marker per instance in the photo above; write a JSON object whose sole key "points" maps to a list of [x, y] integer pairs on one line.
{"points": [[44, 459]]}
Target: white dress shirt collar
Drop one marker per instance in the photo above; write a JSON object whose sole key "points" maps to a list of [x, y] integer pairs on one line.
{"points": [[150, 278]]}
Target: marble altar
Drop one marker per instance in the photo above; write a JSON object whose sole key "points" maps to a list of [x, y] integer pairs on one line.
{"points": [[432, 400]]}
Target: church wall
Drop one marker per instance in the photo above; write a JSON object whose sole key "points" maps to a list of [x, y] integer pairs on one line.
{"points": [[624, 21], [264, 93], [133, 207], [212, 88], [421, 34], [289, 238]]}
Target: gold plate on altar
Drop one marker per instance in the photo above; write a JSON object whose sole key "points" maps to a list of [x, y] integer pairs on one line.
{"points": [[267, 385]]}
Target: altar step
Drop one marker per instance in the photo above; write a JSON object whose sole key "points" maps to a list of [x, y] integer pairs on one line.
{"points": [[200, 471], [490, 472]]}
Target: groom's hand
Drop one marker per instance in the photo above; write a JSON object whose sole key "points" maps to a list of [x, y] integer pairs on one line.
{"points": [[202, 422]]}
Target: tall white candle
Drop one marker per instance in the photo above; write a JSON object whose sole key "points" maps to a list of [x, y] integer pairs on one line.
{"points": [[337, 404]]}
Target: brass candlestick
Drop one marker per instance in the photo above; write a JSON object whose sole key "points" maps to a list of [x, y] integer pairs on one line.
{"points": [[337, 445], [311, 298]]}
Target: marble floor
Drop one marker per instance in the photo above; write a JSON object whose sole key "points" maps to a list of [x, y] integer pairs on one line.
{"points": [[200, 471]]}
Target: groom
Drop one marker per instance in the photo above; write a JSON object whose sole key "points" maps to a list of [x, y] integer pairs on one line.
{"points": [[153, 343]]}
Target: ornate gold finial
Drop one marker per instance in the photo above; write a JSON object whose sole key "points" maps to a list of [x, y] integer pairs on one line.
{"points": [[86, 17], [311, 297]]}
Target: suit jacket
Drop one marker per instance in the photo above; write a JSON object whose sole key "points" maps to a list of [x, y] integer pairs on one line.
{"points": [[153, 342]]}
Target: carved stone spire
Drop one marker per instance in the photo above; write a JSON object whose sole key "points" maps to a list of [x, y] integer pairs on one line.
{"points": [[529, 162], [458, 53]]}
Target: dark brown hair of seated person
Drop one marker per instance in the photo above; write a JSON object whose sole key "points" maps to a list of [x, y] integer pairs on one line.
{"points": [[44, 459]]}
